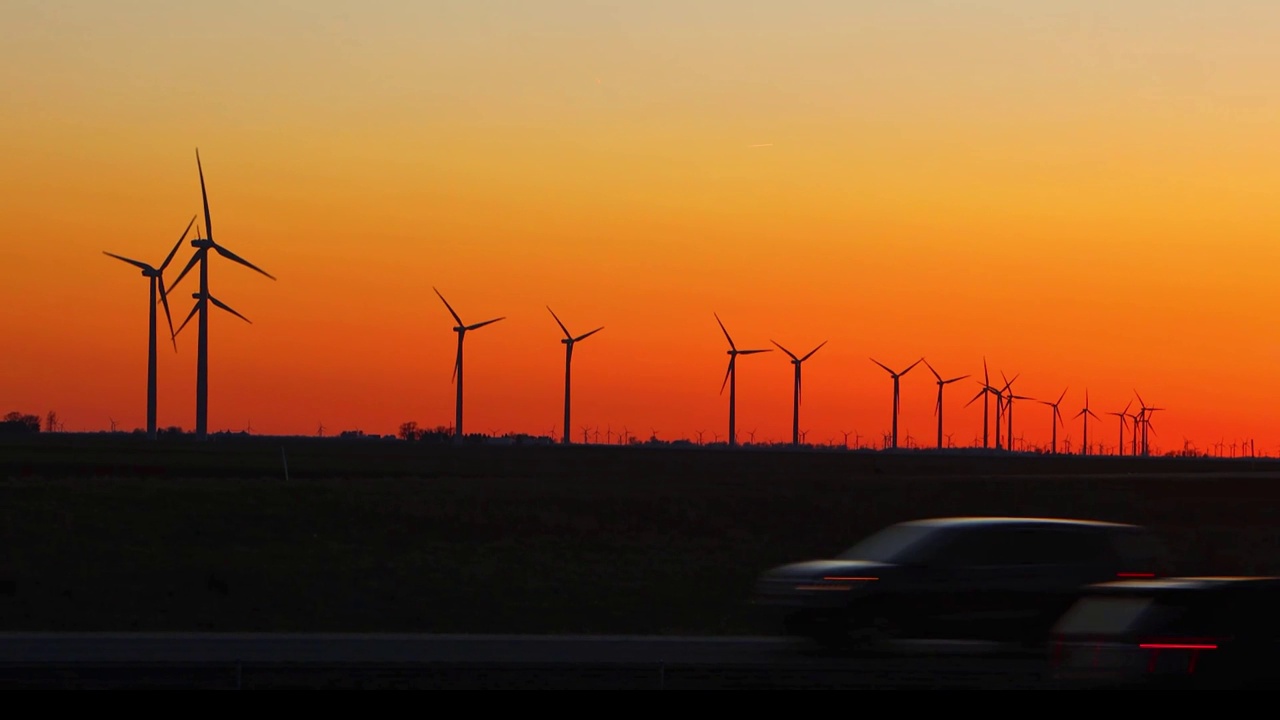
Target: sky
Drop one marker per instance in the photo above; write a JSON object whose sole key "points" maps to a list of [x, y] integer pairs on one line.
{"points": [[1084, 193]]}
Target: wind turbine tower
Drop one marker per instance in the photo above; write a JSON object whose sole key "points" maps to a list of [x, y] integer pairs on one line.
{"points": [[937, 408], [897, 377], [203, 300], [795, 399], [462, 330], [156, 277], [569, 341], [731, 377]]}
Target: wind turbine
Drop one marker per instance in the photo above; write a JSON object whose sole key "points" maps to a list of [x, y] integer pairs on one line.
{"points": [[462, 330], [731, 377], [937, 409], [985, 394], [1007, 401], [203, 300], [1056, 420], [1145, 412], [156, 278], [1086, 413], [569, 340], [897, 376], [1124, 417], [795, 400]]}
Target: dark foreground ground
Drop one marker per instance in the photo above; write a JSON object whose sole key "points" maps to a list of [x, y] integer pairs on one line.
{"points": [[382, 536]]}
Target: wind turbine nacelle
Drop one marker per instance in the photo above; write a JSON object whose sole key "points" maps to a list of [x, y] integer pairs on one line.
{"points": [[202, 243]]}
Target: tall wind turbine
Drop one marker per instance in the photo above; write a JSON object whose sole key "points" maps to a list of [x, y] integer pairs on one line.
{"points": [[156, 276], [1003, 403], [795, 399], [937, 408], [1008, 408], [462, 330], [1055, 420], [897, 376], [569, 341], [731, 377], [1124, 417], [1145, 422], [203, 300], [985, 393], [1086, 413]]}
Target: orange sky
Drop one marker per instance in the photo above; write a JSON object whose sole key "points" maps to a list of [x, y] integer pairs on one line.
{"points": [[1082, 193]]}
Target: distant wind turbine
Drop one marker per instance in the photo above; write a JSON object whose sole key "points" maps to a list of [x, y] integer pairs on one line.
{"points": [[897, 376], [731, 377], [795, 395], [569, 340], [937, 408], [156, 278], [985, 393], [1086, 413], [1008, 408], [462, 330], [203, 299], [1055, 420], [1124, 417]]}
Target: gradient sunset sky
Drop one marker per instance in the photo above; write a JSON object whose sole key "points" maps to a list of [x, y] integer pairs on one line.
{"points": [[1084, 192]]}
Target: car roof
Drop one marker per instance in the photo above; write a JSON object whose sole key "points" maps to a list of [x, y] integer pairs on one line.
{"points": [[991, 521], [1188, 583]]}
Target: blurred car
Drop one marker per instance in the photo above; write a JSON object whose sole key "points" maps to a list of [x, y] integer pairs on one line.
{"points": [[1209, 632], [994, 578]]}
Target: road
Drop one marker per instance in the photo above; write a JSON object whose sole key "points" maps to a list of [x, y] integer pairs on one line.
{"points": [[267, 661]]}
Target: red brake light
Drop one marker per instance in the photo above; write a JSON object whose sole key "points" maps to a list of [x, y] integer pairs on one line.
{"points": [[1178, 646], [1135, 575]]}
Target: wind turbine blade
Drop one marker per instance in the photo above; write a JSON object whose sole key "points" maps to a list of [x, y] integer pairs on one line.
{"points": [[584, 336], [904, 372], [164, 300], [1058, 414], [788, 352], [886, 367], [726, 333], [935, 372], [562, 327], [1093, 415], [486, 322], [204, 195], [194, 259], [811, 352], [177, 245], [1126, 406], [1064, 394], [981, 392], [447, 305], [1141, 402], [728, 371], [194, 310], [236, 258], [753, 352], [986, 378], [226, 307], [134, 263], [954, 379]]}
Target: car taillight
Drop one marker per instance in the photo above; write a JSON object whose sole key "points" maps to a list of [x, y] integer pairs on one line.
{"points": [[1134, 575], [1192, 646]]}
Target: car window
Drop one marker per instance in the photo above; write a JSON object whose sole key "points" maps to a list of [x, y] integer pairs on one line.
{"points": [[1002, 546], [982, 546], [894, 544]]}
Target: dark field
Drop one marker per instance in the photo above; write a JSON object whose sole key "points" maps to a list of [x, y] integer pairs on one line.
{"points": [[112, 533]]}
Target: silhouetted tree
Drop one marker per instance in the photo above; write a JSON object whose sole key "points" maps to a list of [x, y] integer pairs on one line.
{"points": [[410, 431], [51, 422], [16, 423]]}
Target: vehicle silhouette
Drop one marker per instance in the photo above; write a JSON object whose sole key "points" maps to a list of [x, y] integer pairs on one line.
{"points": [[994, 578], [1176, 633]]}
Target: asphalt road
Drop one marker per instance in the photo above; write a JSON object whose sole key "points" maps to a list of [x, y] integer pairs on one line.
{"points": [[265, 661]]}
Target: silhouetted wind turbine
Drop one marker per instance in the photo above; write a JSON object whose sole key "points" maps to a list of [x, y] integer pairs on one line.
{"points": [[1008, 408], [1086, 413], [203, 299], [985, 394], [897, 376], [731, 377], [1001, 404], [462, 330], [156, 277], [1055, 420], [1145, 423], [795, 399], [1124, 417], [569, 340], [937, 408]]}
